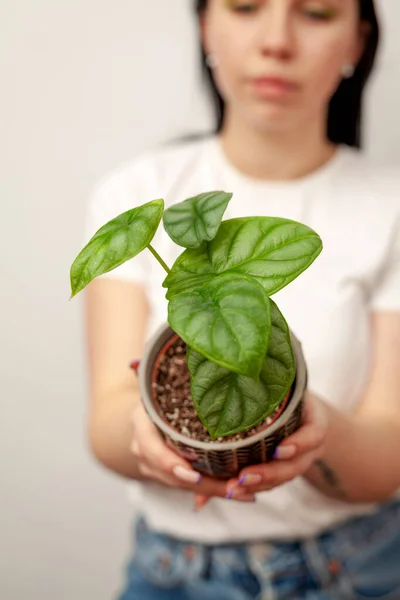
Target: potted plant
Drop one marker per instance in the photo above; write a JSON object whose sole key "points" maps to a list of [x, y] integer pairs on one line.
{"points": [[224, 379]]}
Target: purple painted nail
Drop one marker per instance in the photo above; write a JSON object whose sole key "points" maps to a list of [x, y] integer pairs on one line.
{"points": [[250, 479], [186, 474], [230, 494], [285, 452]]}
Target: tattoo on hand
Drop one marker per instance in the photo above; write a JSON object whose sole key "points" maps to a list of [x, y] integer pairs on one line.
{"points": [[330, 477]]}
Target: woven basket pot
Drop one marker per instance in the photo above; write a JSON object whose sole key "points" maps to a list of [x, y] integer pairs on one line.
{"points": [[222, 459]]}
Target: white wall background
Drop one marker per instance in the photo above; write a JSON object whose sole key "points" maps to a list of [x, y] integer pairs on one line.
{"points": [[85, 84]]}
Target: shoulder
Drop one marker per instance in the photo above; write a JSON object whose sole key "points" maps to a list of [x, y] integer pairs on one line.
{"points": [[153, 172], [171, 171], [369, 183]]}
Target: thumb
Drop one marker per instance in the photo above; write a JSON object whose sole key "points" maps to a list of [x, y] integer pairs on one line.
{"points": [[148, 444]]}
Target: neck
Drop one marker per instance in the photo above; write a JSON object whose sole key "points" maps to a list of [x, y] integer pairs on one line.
{"points": [[275, 154]]}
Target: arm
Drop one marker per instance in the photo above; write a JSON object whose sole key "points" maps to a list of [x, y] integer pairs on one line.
{"points": [[116, 317], [360, 459], [352, 457], [121, 435]]}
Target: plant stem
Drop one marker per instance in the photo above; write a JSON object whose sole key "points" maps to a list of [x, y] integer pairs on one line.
{"points": [[158, 257]]}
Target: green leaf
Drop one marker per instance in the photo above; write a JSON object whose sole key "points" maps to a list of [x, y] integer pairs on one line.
{"points": [[228, 403], [274, 251], [191, 269], [193, 359], [197, 219], [227, 320], [116, 242]]}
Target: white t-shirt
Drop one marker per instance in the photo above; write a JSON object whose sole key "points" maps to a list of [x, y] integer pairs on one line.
{"points": [[355, 208]]}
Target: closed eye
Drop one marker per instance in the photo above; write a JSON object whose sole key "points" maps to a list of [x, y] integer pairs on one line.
{"points": [[243, 6]]}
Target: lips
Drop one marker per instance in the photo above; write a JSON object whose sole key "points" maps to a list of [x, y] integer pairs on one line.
{"points": [[273, 87]]}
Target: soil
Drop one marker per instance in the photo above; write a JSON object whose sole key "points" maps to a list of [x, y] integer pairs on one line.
{"points": [[171, 388]]}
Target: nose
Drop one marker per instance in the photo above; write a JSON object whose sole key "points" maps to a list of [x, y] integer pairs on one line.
{"points": [[276, 32]]}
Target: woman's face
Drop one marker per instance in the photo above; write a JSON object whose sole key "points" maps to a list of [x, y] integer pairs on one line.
{"points": [[278, 62]]}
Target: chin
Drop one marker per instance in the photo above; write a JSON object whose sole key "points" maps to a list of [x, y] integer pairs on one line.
{"points": [[273, 118]]}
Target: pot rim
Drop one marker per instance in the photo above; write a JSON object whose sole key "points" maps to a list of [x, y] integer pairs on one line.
{"points": [[152, 350], [175, 336]]}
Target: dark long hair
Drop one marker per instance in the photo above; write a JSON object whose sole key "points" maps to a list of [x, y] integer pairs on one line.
{"points": [[345, 109]]}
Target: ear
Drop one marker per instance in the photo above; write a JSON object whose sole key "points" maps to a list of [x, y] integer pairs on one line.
{"points": [[203, 22], [363, 35]]}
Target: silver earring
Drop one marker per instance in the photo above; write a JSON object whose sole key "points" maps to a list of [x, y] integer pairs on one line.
{"points": [[212, 61], [348, 71]]}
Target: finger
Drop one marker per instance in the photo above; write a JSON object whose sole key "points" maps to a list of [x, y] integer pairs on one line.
{"points": [[149, 447], [146, 438], [200, 500], [159, 462], [208, 486], [167, 466], [273, 474], [308, 437], [212, 487], [158, 476], [205, 488], [149, 472]]}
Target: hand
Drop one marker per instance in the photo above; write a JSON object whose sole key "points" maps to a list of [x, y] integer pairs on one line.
{"points": [[157, 462], [293, 457]]}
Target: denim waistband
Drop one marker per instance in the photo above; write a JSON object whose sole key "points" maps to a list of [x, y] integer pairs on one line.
{"points": [[358, 559]]}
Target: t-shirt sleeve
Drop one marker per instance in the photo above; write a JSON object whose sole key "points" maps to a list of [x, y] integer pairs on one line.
{"points": [[386, 293], [116, 193]]}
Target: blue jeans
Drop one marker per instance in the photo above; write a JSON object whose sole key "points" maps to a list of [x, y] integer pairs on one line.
{"points": [[357, 560]]}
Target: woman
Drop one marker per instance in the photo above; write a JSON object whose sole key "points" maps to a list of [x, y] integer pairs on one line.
{"points": [[323, 519]]}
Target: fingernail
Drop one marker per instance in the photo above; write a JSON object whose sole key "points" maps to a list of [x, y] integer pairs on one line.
{"points": [[250, 479], [200, 502], [134, 365], [186, 474], [230, 493], [284, 452], [240, 495], [236, 493]]}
